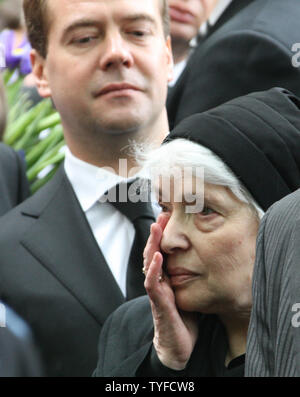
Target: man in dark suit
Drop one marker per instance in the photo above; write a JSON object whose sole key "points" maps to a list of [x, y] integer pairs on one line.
{"points": [[249, 48], [64, 254], [13, 182]]}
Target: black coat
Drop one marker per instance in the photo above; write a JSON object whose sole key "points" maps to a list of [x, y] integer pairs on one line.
{"points": [[125, 346], [249, 49], [13, 182]]}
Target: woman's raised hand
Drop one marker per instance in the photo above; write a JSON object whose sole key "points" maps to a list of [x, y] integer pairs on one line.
{"points": [[175, 332]]}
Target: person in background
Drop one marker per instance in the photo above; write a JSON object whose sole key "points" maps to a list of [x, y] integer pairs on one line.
{"points": [[247, 48], [215, 175], [18, 354], [14, 186], [188, 20], [14, 40], [13, 36]]}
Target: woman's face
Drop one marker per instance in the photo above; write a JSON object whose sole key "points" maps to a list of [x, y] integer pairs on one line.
{"points": [[210, 253]]}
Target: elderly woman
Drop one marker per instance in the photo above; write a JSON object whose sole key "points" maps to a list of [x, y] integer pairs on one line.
{"points": [[199, 258]]}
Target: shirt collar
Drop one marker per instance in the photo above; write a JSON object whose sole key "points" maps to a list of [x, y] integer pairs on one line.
{"points": [[177, 70], [89, 181]]}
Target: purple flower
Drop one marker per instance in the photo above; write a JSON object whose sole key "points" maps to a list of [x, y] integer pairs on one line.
{"points": [[16, 57]]}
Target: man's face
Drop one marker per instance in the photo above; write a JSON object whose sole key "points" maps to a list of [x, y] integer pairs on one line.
{"points": [[108, 64], [186, 16]]}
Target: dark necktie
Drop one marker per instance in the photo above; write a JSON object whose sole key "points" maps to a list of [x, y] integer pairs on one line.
{"points": [[140, 213]]}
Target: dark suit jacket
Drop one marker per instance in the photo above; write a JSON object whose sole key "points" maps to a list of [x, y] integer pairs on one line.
{"points": [[125, 346], [18, 359], [14, 186], [18, 354], [249, 49], [54, 275]]}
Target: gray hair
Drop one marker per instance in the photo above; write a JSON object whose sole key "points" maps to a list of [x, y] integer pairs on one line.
{"points": [[183, 153]]}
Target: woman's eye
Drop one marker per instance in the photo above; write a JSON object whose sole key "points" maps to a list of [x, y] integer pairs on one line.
{"points": [[138, 33], [85, 40], [163, 208], [207, 211]]}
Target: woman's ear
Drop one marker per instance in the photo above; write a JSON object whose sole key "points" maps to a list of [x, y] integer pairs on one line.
{"points": [[38, 71]]}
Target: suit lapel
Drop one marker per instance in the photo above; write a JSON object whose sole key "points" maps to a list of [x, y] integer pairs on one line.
{"points": [[62, 241]]}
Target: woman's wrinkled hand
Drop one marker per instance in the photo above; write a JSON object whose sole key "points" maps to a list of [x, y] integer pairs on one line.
{"points": [[175, 332]]}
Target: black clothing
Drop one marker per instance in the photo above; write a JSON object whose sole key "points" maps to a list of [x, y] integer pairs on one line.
{"points": [[18, 354], [125, 348], [14, 187], [152, 367]]}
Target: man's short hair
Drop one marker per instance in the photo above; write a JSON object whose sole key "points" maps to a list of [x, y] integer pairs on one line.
{"points": [[3, 108], [38, 23]]}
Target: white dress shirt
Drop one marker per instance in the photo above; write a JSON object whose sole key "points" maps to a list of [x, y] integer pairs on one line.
{"points": [[178, 68], [112, 230]]}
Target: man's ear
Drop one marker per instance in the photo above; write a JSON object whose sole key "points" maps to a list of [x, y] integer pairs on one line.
{"points": [[38, 71], [170, 60]]}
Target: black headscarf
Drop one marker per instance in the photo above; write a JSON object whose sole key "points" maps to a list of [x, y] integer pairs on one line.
{"points": [[258, 138]]}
